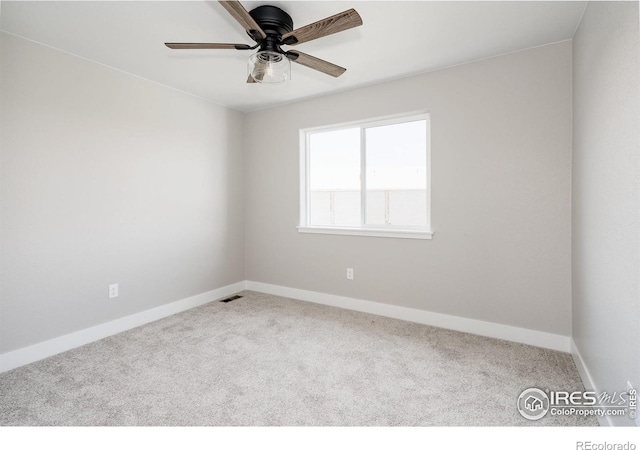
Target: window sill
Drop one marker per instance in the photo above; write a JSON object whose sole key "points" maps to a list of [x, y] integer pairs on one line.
{"points": [[372, 232]]}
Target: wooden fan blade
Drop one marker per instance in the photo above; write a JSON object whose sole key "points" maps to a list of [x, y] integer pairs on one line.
{"points": [[241, 15], [315, 63], [250, 79], [334, 24], [194, 45]]}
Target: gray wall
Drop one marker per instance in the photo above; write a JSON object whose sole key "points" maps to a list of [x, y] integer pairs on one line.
{"points": [[501, 156], [108, 178], [606, 189]]}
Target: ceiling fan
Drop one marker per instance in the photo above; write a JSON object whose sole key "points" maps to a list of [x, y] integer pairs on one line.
{"points": [[271, 28]]}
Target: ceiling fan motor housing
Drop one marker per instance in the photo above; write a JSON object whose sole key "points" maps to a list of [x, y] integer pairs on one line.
{"points": [[272, 19]]}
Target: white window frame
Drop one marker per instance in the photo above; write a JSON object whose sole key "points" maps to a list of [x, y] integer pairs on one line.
{"points": [[364, 230]]}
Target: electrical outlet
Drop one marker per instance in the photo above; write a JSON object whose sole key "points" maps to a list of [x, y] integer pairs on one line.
{"points": [[349, 273], [113, 290]]}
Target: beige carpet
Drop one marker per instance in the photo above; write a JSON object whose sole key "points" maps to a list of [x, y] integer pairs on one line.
{"points": [[266, 360]]}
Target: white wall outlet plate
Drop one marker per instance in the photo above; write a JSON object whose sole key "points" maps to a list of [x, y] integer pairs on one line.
{"points": [[113, 290], [349, 274]]}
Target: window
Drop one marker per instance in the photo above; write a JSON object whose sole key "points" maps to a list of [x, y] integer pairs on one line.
{"points": [[368, 178]]}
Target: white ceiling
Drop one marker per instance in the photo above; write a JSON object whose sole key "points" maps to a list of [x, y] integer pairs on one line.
{"points": [[397, 39]]}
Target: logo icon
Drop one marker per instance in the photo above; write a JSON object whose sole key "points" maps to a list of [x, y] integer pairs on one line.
{"points": [[533, 404]]}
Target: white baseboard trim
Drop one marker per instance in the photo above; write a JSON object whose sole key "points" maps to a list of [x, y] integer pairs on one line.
{"points": [[587, 380], [26, 355], [36, 352], [479, 327]]}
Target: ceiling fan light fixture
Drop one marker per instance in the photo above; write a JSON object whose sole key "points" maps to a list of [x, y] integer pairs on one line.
{"points": [[270, 28], [268, 66]]}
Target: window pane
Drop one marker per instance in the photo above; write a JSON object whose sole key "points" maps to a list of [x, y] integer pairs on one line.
{"points": [[396, 183], [334, 178]]}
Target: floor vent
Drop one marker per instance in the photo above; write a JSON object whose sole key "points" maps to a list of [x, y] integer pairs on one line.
{"points": [[230, 299]]}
